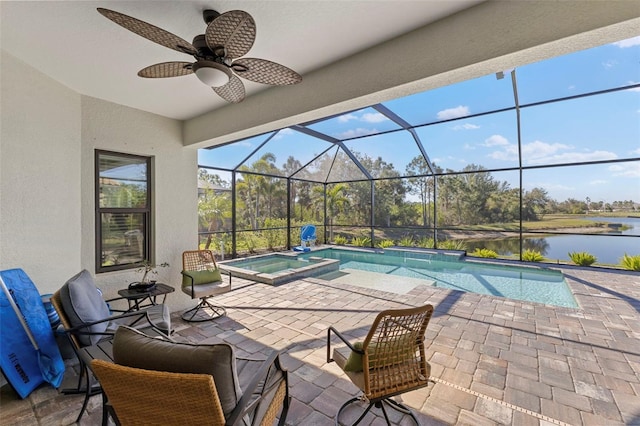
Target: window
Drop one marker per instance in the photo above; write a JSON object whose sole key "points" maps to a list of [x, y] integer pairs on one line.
{"points": [[123, 210]]}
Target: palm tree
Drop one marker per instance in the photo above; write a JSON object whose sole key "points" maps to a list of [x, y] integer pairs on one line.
{"points": [[337, 201]]}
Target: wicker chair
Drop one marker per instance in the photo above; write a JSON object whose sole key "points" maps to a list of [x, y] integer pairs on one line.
{"points": [[201, 279], [389, 362], [159, 382]]}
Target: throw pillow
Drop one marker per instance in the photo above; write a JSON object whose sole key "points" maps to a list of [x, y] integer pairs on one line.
{"points": [[83, 303], [201, 277]]}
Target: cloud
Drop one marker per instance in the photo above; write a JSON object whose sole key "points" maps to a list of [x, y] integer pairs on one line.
{"points": [[570, 157], [283, 133], [630, 42], [631, 170], [466, 126], [636, 151], [448, 114], [368, 117], [508, 153], [539, 152], [360, 131], [539, 149], [347, 117], [635, 89], [496, 140], [610, 64], [373, 117], [598, 182]]}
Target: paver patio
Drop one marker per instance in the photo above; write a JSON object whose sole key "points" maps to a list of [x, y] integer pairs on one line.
{"points": [[494, 360]]}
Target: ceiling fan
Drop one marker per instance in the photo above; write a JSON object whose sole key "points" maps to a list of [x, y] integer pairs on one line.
{"points": [[228, 36]]}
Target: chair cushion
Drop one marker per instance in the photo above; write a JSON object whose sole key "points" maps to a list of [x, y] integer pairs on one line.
{"points": [[135, 349], [83, 303], [201, 277], [354, 362], [402, 347], [207, 290]]}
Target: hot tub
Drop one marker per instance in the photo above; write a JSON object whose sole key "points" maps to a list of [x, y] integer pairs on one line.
{"points": [[278, 268]]}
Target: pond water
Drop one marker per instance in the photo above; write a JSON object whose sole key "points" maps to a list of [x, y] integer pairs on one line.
{"points": [[608, 248]]}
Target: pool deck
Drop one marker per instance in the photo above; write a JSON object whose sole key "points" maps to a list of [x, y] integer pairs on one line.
{"points": [[494, 360]]}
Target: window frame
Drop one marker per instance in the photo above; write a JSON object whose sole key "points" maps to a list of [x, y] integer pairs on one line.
{"points": [[145, 211]]}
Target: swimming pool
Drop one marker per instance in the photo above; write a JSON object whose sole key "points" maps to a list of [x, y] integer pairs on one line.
{"points": [[454, 272]]}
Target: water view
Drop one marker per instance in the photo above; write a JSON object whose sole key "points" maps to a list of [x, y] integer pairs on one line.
{"points": [[607, 247]]}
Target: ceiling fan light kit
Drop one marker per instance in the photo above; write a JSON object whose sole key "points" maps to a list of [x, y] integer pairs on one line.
{"points": [[228, 36], [212, 73]]}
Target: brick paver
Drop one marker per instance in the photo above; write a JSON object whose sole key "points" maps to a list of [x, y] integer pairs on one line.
{"points": [[494, 360]]}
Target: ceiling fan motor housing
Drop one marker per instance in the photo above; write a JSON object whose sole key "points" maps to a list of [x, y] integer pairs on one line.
{"points": [[205, 52]]}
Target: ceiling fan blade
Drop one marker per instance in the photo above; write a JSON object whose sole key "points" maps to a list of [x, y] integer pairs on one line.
{"points": [[148, 31], [166, 69], [265, 72], [234, 30], [233, 91]]}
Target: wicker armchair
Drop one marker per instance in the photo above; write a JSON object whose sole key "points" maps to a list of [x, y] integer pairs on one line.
{"points": [[160, 382], [201, 279], [389, 362]]}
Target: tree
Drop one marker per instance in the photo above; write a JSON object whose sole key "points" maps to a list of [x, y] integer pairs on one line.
{"points": [[337, 201], [423, 186], [214, 203], [534, 204]]}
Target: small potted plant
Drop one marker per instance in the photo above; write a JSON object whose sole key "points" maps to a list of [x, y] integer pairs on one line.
{"points": [[149, 269]]}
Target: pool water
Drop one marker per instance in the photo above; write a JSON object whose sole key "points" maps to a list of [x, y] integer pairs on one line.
{"points": [[270, 264], [278, 268], [522, 283]]}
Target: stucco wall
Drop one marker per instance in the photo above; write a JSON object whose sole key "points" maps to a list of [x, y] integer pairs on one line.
{"points": [[48, 137], [117, 128], [39, 175]]}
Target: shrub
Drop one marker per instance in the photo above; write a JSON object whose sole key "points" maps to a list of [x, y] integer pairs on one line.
{"points": [[631, 263], [275, 237], [361, 242], [452, 245], [340, 240], [249, 239], [582, 258], [532, 256], [407, 241], [426, 242], [385, 243], [483, 252]]}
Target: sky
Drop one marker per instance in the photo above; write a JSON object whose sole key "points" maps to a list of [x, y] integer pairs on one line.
{"points": [[588, 129]]}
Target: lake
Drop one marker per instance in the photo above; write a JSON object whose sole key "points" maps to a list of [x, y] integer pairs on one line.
{"points": [[608, 247]]}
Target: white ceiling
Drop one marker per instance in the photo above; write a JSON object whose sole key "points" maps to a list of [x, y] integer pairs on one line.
{"points": [[72, 43]]}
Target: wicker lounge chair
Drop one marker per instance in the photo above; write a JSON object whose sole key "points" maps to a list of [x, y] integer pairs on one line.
{"points": [[161, 382], [389, 362], [201, 279]]}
